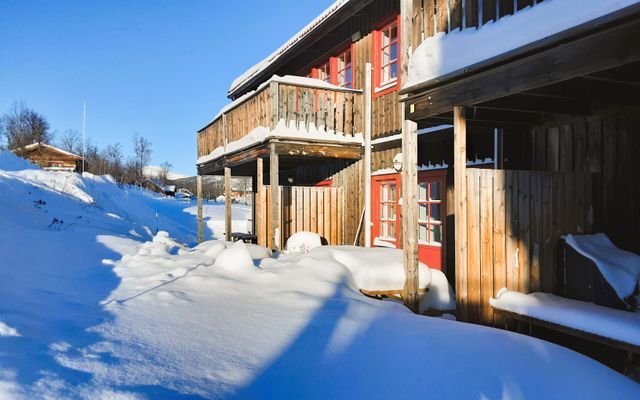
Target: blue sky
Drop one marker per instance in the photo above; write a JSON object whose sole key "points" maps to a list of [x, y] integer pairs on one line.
{"points": [[160, 68]]}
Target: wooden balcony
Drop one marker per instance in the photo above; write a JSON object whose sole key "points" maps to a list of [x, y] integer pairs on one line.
{"points": [[296, 108]]}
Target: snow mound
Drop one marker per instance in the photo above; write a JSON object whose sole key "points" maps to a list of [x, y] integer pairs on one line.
{"points": [[619, 267], [440, 295], [11, 162], [259, 252], [7, 331], [303, 242], [236, 257], [377, 269]]}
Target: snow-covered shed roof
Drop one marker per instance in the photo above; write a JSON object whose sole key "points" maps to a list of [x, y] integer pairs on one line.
{"points": [[34, 146], [240, 82], [459, 51]]}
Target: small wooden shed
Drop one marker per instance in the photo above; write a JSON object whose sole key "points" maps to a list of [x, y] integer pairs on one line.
{"points": [[49, 157]]}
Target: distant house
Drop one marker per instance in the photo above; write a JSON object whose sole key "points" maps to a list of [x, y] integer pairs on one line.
{"points": [[49, 157]]}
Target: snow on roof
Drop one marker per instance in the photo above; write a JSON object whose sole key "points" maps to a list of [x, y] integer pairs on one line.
{"points": [[608, 322], [619, 267], [304, 32], [443, 54], [59, 150]]}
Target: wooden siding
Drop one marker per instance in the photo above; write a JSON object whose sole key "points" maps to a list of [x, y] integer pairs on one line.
{"points": [[304, 108], [604, 144], [432, 16], [309, 209], [514, 222]]}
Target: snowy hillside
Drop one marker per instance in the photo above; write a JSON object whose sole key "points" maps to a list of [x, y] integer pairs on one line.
{"points": [[95, 304]]}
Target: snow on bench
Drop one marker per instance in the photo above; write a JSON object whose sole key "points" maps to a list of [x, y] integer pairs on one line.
{"points": [[613, 327]]}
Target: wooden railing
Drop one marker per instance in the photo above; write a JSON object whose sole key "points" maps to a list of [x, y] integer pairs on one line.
{"points": [[430, 17], [282, 106]]}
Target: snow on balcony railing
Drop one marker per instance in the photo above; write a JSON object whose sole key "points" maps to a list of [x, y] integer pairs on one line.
{"points": [[284, 107], [459, 50]]}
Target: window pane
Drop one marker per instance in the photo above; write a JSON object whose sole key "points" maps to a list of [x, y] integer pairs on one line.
{"points": [[392, 229], [435, 212], [394, 51], [436, 233], [422, 215], [383, 211], [386, 57], [384, 229], [348, 75], [394, 31], [422, 233], [393, 192], [385, 38], [383, 192], [435, 191], [394, 70], [392, 211], [422, 191]]}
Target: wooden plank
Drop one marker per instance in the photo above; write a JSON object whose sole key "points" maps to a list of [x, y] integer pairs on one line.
{"points": [[455, 14], [547, 256], [460, 184], [473, 243], [442, 15], [334, 220], [488, 10], [410, 211], [274, 102], [524, 243], [417, 21], [326, 212], [320, 208], [580, 146], [499, 239], [486, 245], [429, 18], [512, 229], [313, 210], [566, 148], [227, 203], [536, 230], [471, 13]]}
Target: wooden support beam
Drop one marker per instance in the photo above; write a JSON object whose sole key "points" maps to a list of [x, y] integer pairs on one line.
{"points": [[367, 155], [274, 204], [460, 197], [410, 212], [227, 203], [200, 214], [258, 206]]}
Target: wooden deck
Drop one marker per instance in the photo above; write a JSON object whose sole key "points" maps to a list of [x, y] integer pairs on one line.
{"points": [[286, 106]]}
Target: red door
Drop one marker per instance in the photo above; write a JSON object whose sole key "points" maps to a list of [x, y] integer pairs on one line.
{"points": [[431, 218], [385, 213]]}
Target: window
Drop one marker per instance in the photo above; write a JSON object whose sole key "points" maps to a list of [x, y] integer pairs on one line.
{"points": [[388, 206], [345, 70], [430, 213], [388, 54], [324, 72], [386, 58]]}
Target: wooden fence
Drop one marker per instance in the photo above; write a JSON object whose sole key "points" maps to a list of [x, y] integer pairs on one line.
{"points": [[514, 221], [309, 209]]}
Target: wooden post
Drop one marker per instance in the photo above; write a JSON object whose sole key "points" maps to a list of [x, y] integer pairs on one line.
{"points": [[410, 212], [367, 155], [274, 205], [460, 195], [199, 194], [227, 203], [258, 206]]}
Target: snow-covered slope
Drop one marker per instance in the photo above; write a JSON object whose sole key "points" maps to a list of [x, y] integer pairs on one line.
{"points": [[94, 305]]}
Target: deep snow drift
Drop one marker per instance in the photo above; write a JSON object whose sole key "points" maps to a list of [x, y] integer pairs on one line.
{"points": [[94, 304]]}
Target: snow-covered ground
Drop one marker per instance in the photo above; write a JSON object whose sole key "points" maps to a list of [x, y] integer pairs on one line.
{"points": [[95, 304]]}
